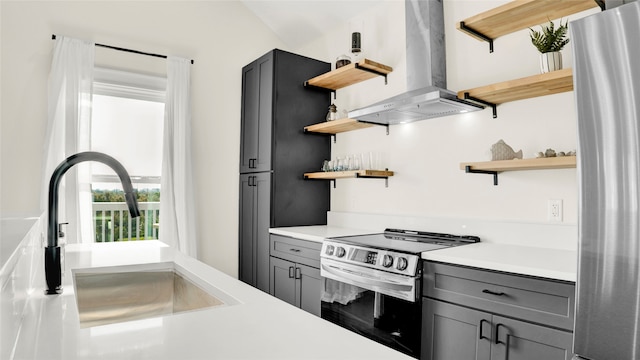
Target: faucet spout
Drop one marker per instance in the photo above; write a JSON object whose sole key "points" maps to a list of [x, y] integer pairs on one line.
{"points": [[52, 256]]}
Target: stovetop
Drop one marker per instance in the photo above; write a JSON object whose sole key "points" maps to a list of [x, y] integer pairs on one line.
{"points": [[408, 241]]}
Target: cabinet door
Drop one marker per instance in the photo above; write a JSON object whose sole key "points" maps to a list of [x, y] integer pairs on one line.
{"points": [[308, 288], [283, 282], [247, 229], [262, 216], [519, 340], [254, 223], [454, 332], [256, 115]]}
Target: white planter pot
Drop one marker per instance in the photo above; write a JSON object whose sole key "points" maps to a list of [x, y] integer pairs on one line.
{"points": [[550, 61]]}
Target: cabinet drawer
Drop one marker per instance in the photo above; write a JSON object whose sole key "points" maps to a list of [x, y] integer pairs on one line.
{"points": [[300, 251], [537, 300]]}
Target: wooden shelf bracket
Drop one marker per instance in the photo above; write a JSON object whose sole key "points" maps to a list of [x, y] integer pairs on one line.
{"points": [[469, 170], [373, 71], [307, 85], [477, 34], [360, 176], [486, 103], [376, 124]]}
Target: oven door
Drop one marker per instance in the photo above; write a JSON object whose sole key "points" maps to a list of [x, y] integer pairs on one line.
{"points": [[378, 305]]}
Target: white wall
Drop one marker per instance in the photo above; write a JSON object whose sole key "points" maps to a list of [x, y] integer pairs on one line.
{"points": [[221, 36], [426, 155]]}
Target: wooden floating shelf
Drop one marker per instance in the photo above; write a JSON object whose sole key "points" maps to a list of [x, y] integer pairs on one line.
{"points": [[522, 14], [350, 74], [533, 86], [560, 162], [494, 167], [337, 126], [332, 175]]}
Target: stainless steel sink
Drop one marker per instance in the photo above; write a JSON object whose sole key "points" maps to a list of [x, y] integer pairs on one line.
{"points": [[111, 295]]}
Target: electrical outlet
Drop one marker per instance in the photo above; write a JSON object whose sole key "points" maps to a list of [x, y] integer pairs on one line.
{"points": [[554, 210]]}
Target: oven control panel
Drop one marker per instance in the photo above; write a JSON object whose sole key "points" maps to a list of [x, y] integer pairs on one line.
{"points": [[391, 261]]}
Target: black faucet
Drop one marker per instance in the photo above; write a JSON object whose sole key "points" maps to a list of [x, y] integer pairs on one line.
{"points": [[52, 265]]}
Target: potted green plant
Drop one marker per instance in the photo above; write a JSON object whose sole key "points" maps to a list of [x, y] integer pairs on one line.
{"points": [[549, 41]]}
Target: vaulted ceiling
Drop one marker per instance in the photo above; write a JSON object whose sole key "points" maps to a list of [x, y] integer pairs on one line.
{"points": [[296, 22]]}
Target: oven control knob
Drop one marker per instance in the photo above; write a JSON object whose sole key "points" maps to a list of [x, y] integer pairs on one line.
{"points": [[340, 251], [387, 261], [329, 250], [401, 263]]}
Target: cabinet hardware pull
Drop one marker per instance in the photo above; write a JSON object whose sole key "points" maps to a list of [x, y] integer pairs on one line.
{"points": [[298, 273], [295, 250], [481, 335], [252, 163], [487, 291], [497, 340], [291, 272]]}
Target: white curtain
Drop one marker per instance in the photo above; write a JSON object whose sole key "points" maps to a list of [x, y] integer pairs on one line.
{"points": [[177, 215], [69, 132]]}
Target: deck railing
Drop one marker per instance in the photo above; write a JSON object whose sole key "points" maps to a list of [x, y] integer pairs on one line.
{"points": [[112, 222]]}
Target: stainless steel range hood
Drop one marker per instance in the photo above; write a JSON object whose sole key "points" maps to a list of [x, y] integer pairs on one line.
{"points": [[427, 96]]}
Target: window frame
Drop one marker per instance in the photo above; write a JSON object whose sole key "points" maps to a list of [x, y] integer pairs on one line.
{"points": [[132, 85]]}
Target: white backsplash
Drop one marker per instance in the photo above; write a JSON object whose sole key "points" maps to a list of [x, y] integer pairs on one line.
{"points": [[547, 235]]}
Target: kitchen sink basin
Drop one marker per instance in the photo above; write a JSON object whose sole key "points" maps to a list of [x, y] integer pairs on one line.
{"points": [[125, 293]]}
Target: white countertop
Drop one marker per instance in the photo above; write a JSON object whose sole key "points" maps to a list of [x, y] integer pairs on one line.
{"points": [[258, 327], [317, 233], [555, 264]]}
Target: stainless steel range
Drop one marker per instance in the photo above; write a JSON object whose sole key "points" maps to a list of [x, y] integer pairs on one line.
{"points": [[373, 282]]}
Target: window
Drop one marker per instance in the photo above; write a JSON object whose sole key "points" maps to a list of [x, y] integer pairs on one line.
{"points": [[127, 123]]}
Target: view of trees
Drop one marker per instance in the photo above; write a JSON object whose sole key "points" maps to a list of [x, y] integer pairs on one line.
{"points": [[142, 225], [144, 195]]}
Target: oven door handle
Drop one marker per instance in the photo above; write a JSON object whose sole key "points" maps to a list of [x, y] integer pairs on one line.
{"points": [[364, 280]]}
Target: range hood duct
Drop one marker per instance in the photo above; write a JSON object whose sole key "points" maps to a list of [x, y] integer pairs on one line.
{"points": [[427, 96]]}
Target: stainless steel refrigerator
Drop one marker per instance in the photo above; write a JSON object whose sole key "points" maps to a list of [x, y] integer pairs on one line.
{"points": [[606, 51]]}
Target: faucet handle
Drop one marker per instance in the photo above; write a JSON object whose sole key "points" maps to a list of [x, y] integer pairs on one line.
{"points": [[60, 232]]}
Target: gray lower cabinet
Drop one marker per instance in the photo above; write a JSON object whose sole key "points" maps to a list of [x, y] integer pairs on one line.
{"points": [[294, 272], [456, 332], [473, 314], [297, 284]]}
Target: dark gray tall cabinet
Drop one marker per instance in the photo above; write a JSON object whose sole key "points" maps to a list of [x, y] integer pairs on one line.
{"points": [[275, 153]]}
